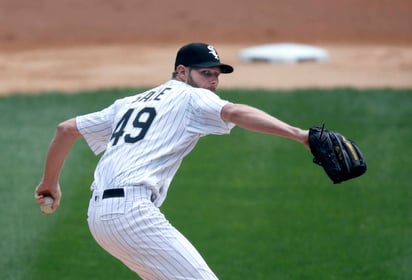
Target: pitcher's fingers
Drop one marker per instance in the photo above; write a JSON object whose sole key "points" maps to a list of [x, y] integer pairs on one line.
{"points": [[39, 198]]}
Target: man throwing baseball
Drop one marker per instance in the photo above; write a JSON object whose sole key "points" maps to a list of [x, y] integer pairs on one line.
{"points": [[144, 139]]}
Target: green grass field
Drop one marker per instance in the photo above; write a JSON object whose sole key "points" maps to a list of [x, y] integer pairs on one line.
{"points": [[254, 205]]}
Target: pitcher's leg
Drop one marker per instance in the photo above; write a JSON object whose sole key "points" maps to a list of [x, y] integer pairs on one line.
{"points": [[149, 245]]}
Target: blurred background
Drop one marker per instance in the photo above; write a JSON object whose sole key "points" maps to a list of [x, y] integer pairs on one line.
{"points": [[74, 44], [49, 22]]}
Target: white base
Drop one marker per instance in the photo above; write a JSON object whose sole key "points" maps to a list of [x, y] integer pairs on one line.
{"points": [[283, 53]]}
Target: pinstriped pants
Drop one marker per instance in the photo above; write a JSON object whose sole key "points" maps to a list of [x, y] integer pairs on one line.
{"points": [[132, 229]]}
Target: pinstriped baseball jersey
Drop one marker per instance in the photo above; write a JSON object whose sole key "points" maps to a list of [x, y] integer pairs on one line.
{"points": [[146, 136]]}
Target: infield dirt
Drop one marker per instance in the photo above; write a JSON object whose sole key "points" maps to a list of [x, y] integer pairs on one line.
{"points": [[73, 45]]}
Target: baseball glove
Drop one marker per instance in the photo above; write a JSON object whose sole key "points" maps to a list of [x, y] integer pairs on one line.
{"points": [[340, 157]]}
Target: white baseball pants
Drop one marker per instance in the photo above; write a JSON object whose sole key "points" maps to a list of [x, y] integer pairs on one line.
{"points": [[132, 229]]}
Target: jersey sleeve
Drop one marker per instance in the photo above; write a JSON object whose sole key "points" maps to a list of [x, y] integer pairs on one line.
{"points": [[96, 128], [205, 114]]}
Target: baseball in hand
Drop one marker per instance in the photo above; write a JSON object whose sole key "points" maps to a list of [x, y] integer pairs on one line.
{"points": [[46, 206]]}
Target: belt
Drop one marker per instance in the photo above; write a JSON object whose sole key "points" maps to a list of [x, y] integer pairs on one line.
{"points": [[131, 193], [113, 193]]}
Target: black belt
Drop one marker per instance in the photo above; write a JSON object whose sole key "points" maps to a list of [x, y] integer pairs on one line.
{"points": [[113, 193]]}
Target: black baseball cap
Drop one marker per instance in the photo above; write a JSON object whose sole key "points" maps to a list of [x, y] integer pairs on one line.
{"points": [[200, 55]]}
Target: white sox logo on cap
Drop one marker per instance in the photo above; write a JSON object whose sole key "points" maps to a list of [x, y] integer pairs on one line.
{"points": [[213, 52], [200, 55]]}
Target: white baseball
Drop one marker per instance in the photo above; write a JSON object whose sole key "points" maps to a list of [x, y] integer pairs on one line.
{"points": [[46, 206]]}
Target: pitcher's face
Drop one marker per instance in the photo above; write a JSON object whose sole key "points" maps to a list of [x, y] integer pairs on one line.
{"points": [[207, 78]]}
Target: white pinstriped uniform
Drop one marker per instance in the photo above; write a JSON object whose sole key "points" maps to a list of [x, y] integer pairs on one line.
{"points": [[145, 138]]}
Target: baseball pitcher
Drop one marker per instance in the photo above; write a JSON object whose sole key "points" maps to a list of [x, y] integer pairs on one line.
{"points": [[144, 139]]}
